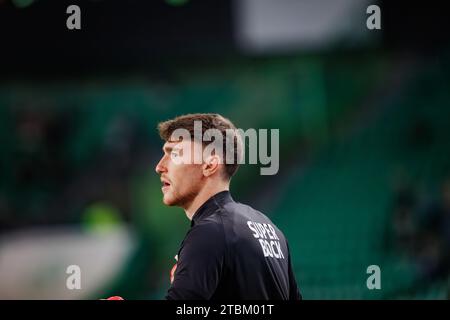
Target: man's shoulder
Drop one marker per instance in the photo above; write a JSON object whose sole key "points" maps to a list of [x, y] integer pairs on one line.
{"points": [[247, 214], [211, 224], [244, 210]]}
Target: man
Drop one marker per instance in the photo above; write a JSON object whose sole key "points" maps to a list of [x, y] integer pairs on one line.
{"points": [[231, 250]]}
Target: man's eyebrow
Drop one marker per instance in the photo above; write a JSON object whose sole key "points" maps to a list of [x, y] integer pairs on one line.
{"points": [[169, 149]]}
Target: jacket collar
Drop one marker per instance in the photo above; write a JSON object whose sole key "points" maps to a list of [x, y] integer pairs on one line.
{"points": [[211, 205]]}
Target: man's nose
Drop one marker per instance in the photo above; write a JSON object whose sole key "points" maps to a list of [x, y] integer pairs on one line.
{"points": [[160, 168]]}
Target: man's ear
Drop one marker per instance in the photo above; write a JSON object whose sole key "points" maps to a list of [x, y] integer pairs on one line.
{"points": [[211, 165]]}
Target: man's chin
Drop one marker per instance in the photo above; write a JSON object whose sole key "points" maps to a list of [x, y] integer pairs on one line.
{"points": [[169, 201]]}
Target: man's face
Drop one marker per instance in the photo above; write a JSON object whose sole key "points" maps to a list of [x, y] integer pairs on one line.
{"points": [[181, 179]]}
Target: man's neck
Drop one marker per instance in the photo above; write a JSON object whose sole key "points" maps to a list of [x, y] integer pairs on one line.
{"points": [[204, 195]]}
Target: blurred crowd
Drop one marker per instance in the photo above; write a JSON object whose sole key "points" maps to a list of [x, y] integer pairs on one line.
{"points": [[421, 229], [47, 180]]}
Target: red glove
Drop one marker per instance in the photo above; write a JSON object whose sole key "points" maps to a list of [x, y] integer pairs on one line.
{"points": [[115, 298], [172, 271]]}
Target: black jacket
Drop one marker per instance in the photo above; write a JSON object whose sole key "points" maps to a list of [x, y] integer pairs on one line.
{"points": [[233, 252]]}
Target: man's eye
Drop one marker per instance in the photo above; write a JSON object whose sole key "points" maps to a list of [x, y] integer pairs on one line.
{"points": [[174, 154]]}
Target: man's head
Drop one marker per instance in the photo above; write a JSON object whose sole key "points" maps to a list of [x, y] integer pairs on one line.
{"points": [[182, 175]]}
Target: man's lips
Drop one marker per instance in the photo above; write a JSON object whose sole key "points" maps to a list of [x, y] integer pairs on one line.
{"points": [[165, 184]]}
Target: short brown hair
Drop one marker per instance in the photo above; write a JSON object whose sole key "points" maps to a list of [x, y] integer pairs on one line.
{"points": [[209, 121]]}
